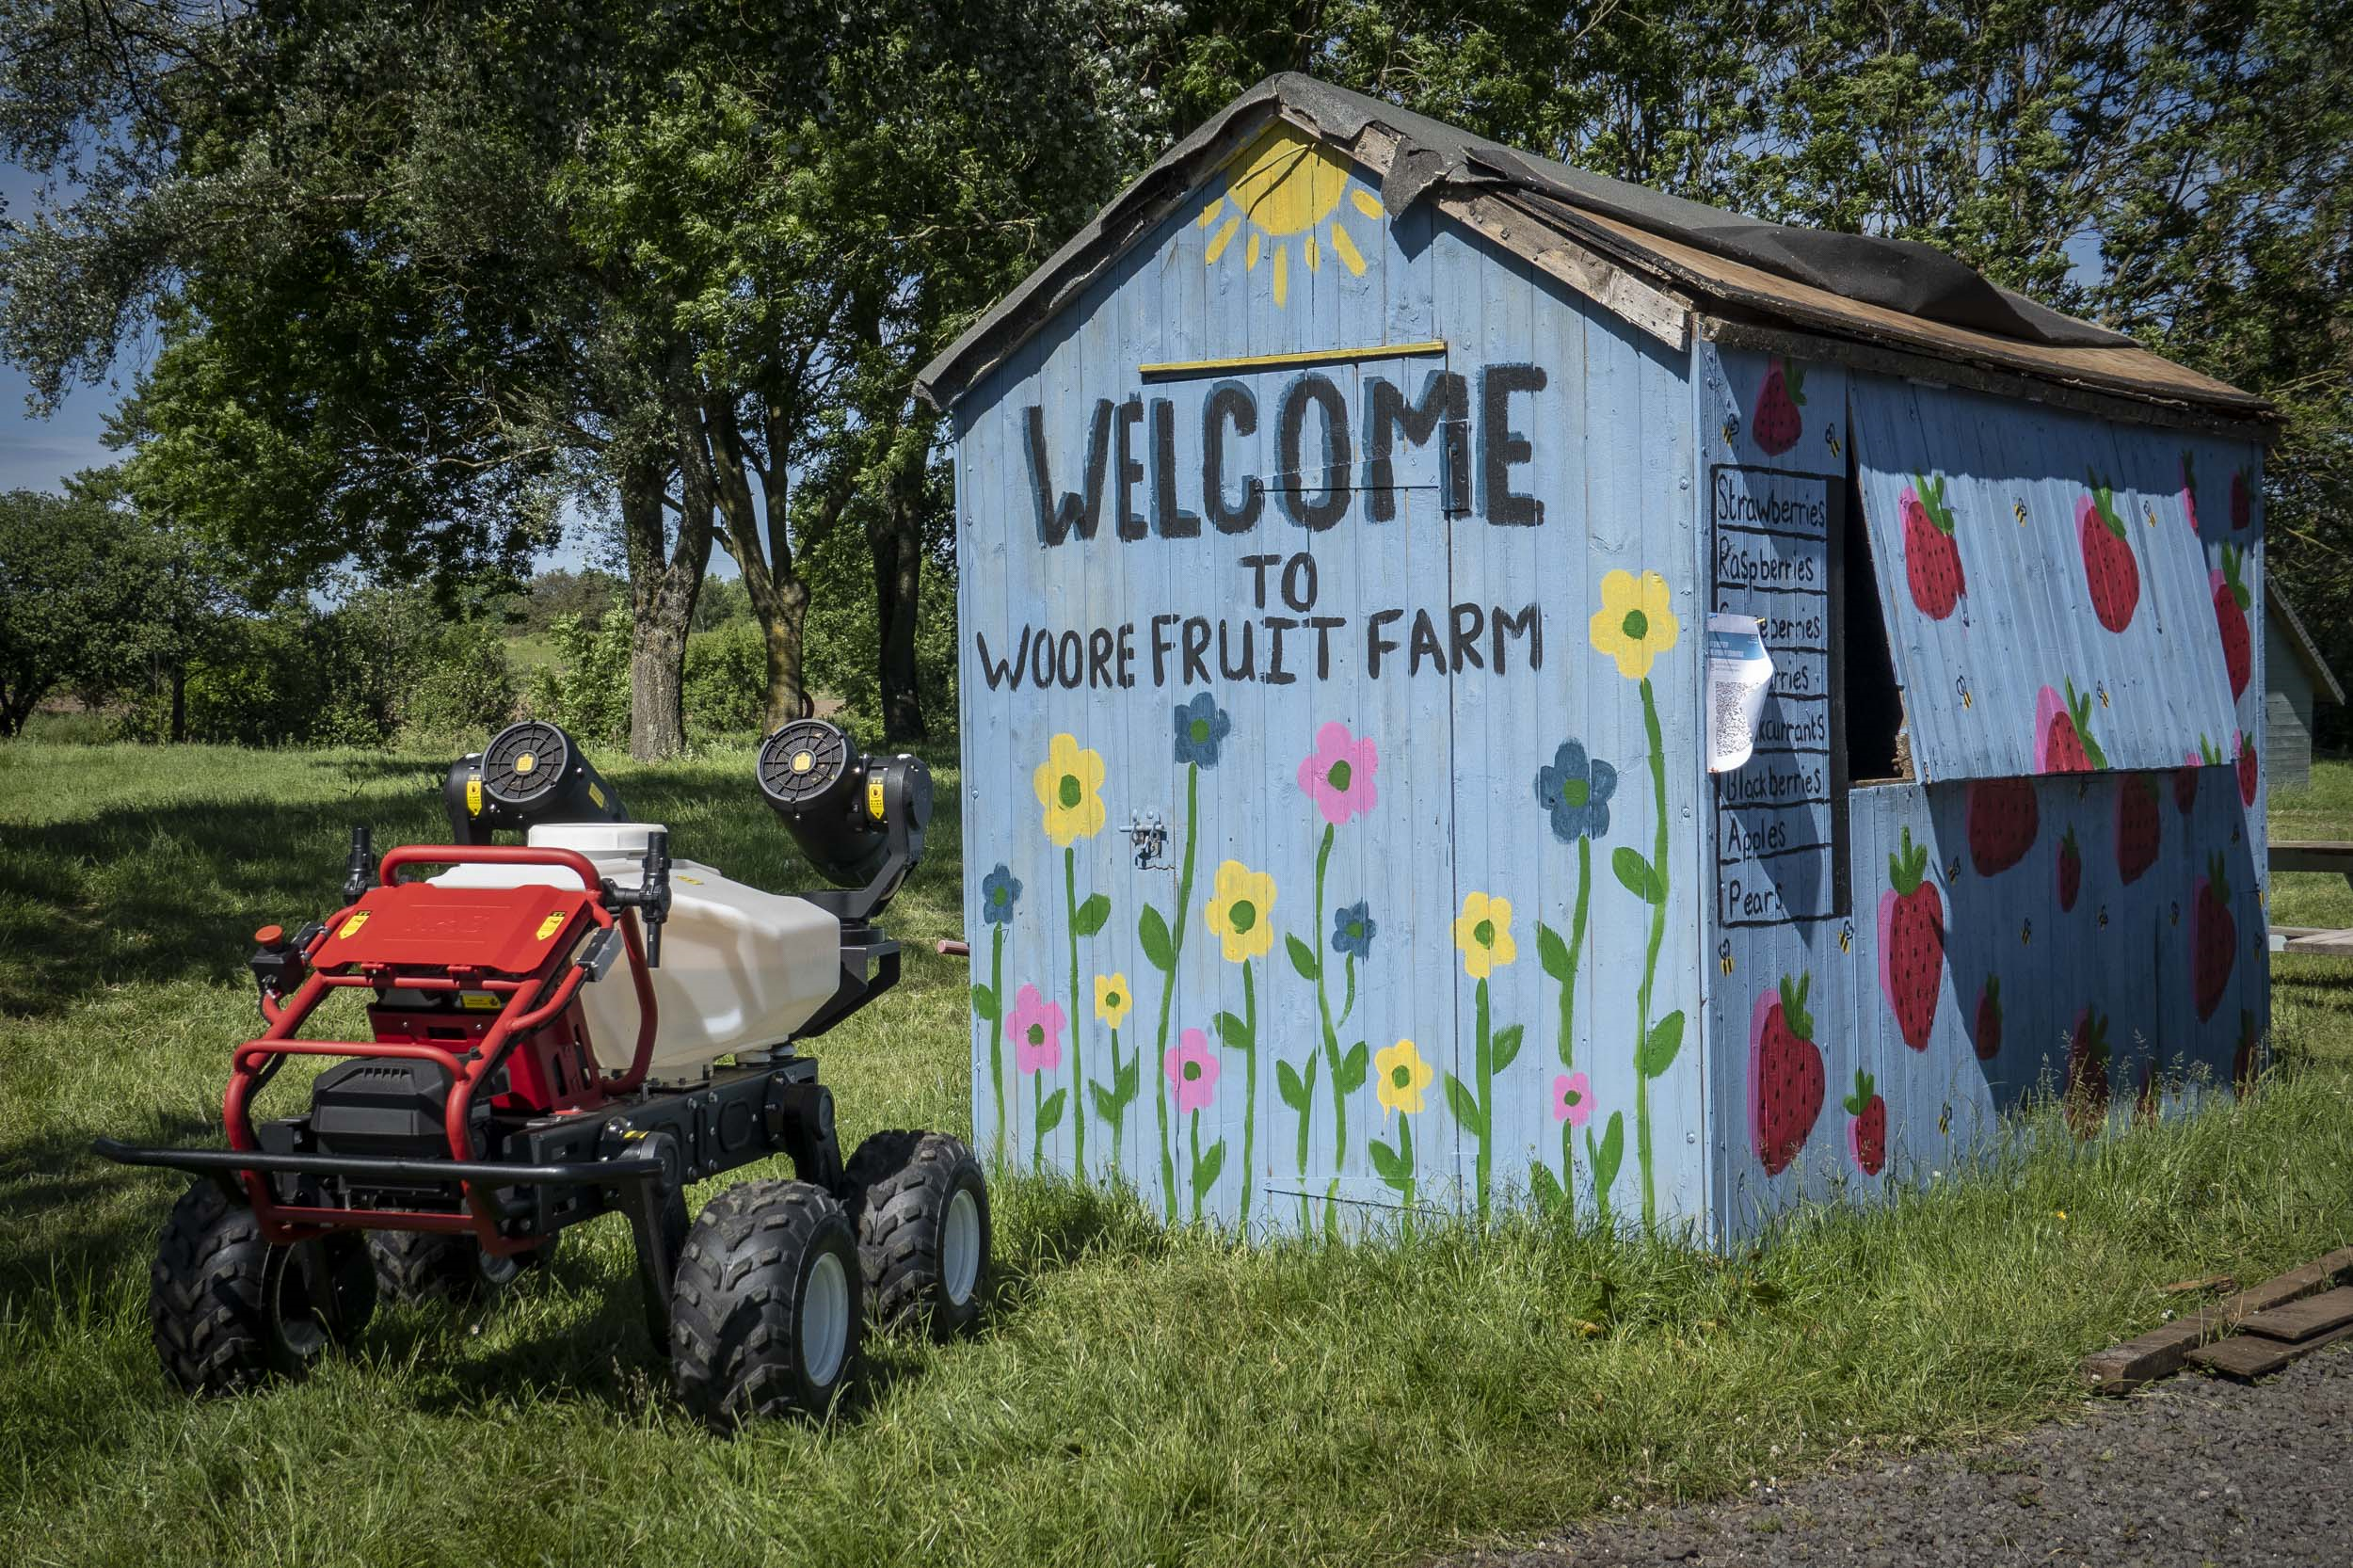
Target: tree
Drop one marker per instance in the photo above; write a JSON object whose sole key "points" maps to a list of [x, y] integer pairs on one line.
{"points": [[75, 577]]}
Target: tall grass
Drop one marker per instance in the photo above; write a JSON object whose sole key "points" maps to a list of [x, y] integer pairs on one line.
{"points": [[1138, 1396]]}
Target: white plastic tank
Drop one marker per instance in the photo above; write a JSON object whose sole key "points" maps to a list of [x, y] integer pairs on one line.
{"points": [[741, 969]]}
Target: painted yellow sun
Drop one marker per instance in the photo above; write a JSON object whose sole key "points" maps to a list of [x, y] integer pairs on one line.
{"points": [[1287, 186]]}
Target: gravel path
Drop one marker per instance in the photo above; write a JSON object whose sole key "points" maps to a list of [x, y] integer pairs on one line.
{"points": [[2195, 1471]]}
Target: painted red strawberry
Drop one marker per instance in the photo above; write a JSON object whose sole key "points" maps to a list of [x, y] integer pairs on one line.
{"points": [[1867, 1126], [2085, 1093], [2242, 500], [1990, 1020], [2230, 602], [2003, 821], [2070, 871], [1911, 942], [2110, 570], [2063, 742], [2245, 1062], [2189, 492], [2138, 825], [2213, 939], [1776, 423], [1931, 557], [2247, 779], [1785, 1075]]}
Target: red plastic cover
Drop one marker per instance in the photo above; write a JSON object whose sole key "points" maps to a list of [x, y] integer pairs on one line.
{"points": [[509, 930]]}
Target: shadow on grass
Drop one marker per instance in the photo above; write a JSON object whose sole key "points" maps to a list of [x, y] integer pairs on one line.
{"points": [[75, 1227]]}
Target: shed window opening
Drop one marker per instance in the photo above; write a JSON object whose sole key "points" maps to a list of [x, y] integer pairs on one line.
{"points": [[1878, 748]]}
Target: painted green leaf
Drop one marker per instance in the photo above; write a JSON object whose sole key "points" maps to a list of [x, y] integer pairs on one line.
{"points": [[1049, 1114], [1386, 1163], [1506, 1047], [1332, 1212], [1608, 1155], [1658, 1051], [1090, 915], [1109, 1103], [1552, 953], [1545, 1188], [1303, 958], [1289, 1084], [1152, 931], [1211, 1162], [985, 1004], [1350, 1074], [1465, 1107], [1231, 1031], [1636, 873], [1127, 1076]]}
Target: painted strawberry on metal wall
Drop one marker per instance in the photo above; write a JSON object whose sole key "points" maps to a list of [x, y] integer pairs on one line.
{"points": [[1911, 942], [2138, 826], [2230, 603], [2063, 740], [2086, 1094], [2003, 817], [1931, 554], [1988, 1040], [2071, 871], [2213, 939], [2109, 570], [1786, 1082], [2242, 500], [2185, 777], [2189, 491], [1867, 1126], [1777, 423], [2247, 779]]}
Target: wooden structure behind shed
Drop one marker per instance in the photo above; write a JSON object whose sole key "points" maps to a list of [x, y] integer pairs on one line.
{"points": [[2296, 679], [1341, 515]]}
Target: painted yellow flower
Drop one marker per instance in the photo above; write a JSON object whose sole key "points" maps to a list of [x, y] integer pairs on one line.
{"points": [[1241, 912], [1483, 932], [1113, 998], [1636, 623], [1069, 784], [1399, 1076]]}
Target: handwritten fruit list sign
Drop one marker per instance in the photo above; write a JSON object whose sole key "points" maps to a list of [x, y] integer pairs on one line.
{"points": [[1774, 815]]}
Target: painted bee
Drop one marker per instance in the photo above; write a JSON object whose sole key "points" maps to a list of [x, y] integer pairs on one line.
{"points": [[1945, 1120], [2103, 917], [1723, 956], [2018, 505], [1731, 432], [2103, 694], [1952, 870], [2177, 911], [1845, 937], [1830, 437], [2149, 513], [1962, 685], [2026, 933]]}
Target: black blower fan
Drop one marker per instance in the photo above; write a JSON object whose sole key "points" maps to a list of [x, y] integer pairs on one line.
{"points": [[859, 819], [530, 772]]}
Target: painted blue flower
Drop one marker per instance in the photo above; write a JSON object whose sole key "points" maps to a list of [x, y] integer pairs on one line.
{"points": [[1353, 930], [1000, 891], [1575, 788], [1201, 728]]}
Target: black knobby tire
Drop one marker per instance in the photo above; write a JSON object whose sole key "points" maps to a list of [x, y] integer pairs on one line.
{"points": [[418, 1268], [765, 1309], [230, 1311], [921, 1204]]}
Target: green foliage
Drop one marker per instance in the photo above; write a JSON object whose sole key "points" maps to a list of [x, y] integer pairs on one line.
{"points": [[587, 690], [726, 679], [76, 581], [589, 594], [842, 635]]}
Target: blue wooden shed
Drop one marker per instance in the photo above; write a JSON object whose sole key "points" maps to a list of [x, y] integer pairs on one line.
{"points": [[1340, 516]]}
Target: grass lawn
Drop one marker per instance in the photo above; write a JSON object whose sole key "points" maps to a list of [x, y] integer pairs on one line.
{"points": [[1136, 1397]]}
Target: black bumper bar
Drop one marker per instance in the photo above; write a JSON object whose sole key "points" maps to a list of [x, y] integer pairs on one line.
{"points": [[579, 1172]]}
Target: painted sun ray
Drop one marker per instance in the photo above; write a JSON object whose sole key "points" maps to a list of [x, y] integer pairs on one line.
{"points": [[1284, 184], [1250, 258], [1210, 213], [1282, 273], [1345, 248], [1366, 202], [1314, 256], [1218, 241]]}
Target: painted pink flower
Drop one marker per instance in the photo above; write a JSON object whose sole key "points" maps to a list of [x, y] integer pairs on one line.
{"points": [[1339, 774], [1035, 1027], [1572, 1099], [1192, 1070]]}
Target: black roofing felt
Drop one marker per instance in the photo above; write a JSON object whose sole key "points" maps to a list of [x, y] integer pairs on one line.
{"points": [[1901, 274]]}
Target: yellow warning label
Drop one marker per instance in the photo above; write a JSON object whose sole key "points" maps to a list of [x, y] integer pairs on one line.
{"points": [[473, 794], [875, 799], [352, 925], [803, 762], [691, 881], [478, 1000], [550, 926], [526, 763], [595, 794]]}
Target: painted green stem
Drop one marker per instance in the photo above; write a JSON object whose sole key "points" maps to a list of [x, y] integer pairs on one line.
{"points": [[1196, 1166], [1037, 1121], [1168, 989], [1078, 1029], [1119, 1122], [1650, 960], [1568, 1018], [996, 1030], [1484, 1067], [1250, 1091], [1323, 1011]]}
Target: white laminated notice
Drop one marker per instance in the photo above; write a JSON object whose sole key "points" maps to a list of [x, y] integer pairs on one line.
{"points": [[1738, 672]]}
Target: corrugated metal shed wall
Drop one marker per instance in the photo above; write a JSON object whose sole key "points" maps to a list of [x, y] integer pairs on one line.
{"points": [[1450, 736], [2052, 909]]}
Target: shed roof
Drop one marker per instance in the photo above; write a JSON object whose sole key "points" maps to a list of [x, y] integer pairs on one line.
{"points": [[1663, 262], [2307, 652]]}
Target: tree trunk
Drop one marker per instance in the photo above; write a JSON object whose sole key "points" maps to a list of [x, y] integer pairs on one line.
{"points": [[179, 704], [896, 538], [770, 580], [661, 589]]}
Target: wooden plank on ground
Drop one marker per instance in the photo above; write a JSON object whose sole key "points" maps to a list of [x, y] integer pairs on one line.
{"points": [[2160, 1352], [2248, 1356], [2301, 1319]]}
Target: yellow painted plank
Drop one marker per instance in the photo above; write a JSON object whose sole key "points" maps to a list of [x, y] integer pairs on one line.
{"points": [[1310, 357]]}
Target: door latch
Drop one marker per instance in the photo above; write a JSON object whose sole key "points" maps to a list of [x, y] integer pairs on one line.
{"points": [[1149, 834]]}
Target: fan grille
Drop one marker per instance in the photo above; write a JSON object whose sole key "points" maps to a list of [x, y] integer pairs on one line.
{"points": [[524, 761], [802, 761]]}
